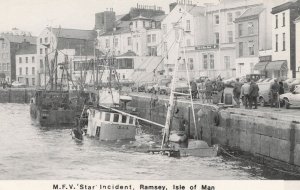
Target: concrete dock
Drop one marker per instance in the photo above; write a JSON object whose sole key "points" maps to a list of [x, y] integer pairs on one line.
{"points": [[272, 135]]}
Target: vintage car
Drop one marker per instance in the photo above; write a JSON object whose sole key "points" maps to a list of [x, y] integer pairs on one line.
{"points": [[291, 98]]}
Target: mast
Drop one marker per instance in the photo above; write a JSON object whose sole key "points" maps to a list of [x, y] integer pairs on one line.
{"points": [[171, 100]]}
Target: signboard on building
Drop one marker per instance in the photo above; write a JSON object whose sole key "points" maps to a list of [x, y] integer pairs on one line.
{"points": [[206, 47], [265, 58]]}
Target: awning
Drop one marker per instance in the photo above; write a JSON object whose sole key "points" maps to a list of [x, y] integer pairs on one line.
{"points": [[260, 66], [277, 65]]}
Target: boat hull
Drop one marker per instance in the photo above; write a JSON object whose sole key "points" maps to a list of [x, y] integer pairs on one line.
{"points": [[52, 117]]}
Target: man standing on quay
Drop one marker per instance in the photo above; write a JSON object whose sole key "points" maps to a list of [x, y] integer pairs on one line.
{"points": [[253, 94], [237, 92], [245, 93], [274, 93]]}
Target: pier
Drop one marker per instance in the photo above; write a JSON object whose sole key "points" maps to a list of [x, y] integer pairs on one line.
{"points": [[271, 136]]}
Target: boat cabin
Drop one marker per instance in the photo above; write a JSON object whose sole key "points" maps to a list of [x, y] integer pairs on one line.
{"points": [[115, 118]]}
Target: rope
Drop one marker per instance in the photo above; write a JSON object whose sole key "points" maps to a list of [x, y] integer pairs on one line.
{"points": [[276, 169]]}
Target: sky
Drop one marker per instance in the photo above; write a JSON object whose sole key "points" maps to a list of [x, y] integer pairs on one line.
{"points": [[35, 15]]}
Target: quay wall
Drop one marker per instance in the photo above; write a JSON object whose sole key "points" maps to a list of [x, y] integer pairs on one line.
{"points": [[272, 137], [16, 95]]}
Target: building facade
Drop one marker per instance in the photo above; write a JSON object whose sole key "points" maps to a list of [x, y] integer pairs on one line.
{"points": [[64, 44], [26, 65], [134, 40], [297, 22], [10, 43], [283, 38], [254, 39]]}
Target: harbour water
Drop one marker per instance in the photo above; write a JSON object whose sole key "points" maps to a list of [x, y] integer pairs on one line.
{"points": [[29, 151]]}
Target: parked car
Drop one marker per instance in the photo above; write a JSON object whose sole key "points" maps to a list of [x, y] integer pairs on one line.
{"points": [[150, 86], [293, 84], [264, 92], [291, 98], [164, 85], [18, 84], [140, 88]]}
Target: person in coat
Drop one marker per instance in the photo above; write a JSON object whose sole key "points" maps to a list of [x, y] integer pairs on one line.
{"points": [[245, 92], [237, 92], [253, 94], [274, 92]]}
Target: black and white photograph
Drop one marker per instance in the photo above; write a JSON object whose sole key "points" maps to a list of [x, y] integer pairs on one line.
{"points": [[150, 90]]}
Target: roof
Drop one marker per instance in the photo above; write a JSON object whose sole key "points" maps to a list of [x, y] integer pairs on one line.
{"points": [[250, 13], [159, 17], [141, 18], [297, 20], [129, 53], [31, 49], [285, 6], [193, 9], [19, 38], [119, 17], [73, 33]]}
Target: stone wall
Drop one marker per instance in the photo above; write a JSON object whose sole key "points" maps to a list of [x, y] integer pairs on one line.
{"points": [[16, 95], [273, 136]]}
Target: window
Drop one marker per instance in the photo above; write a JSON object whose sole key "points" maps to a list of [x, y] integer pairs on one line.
{"points": [[153, 37], [240, 29], [33, 59], [116, 42], [251, 47], [4, 66], [283, 19], [26, 70], [41, 64], [212, 61], [116, 118], [41, 40], [230, 36], [188, 42], [124, 118], [41, 51], [20, 71], [205, 61], [217, 38], [130, 120], [165, 46], [129, 41], [229, 18], [164, 27], [237, 14], [152, 51], [217, 19], [149, 38], [276, 21], [107, 117], [227, 62], [33, 70], [20, 59], [107, 43], [276, 42], [46, 51], [26, 59], [191, 63], [241, 49], [153, 24], [137, 46], [283, 42], [46, 40], [33, 81], [251, 68], [188, 25], [250, 28]]}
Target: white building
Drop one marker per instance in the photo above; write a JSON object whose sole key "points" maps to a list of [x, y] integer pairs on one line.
{"points": [[26, 65], [283, 39], [134, 40], [68, 43], [209, 36], [297, 22]]}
